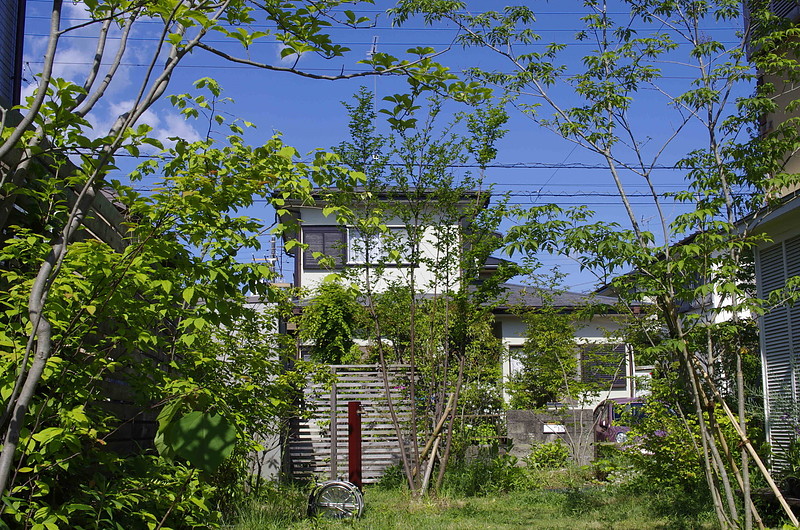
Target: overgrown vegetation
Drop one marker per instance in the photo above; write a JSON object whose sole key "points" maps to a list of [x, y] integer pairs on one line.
{"points": [[733, 174], [331, 321], [156, 334], [492, 492], [113, 336], [99, 340]]}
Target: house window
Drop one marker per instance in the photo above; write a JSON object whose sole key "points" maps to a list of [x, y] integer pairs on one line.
{"points": [[389, 247], [328, 240], [604, 364]]}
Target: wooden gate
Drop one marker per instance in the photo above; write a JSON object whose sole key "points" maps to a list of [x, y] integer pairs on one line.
{"points": [[320, 452]]}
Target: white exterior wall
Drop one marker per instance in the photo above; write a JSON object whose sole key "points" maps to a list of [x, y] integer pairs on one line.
{"points": [[426, 279], [596, 331]]}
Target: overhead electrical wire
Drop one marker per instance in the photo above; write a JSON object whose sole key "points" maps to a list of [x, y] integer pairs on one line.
{"points": [[496, 165], [232, 66]]}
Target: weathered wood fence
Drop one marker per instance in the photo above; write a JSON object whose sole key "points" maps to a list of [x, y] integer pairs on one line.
{"points": [[317, 446]]}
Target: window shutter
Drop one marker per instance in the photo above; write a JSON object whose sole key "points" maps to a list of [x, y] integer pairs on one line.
{"points": [[781, 339], [604, 364], [328, 240], [783, 8]]}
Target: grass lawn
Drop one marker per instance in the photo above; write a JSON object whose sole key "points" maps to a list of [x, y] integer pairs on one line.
{"points": [[589, 507]]}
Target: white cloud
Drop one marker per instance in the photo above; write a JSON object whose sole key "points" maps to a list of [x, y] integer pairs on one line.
{"points": [[75, 54], [166, 123], [289, 59], [176, 126]]}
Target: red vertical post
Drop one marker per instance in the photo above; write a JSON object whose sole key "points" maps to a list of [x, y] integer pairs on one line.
{"points": [[354, 443]]}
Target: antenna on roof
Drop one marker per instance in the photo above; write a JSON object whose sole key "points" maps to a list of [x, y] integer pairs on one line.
{"points": [[370, 54], [374, 48]]}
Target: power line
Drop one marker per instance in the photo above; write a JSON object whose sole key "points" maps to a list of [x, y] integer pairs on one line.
{"points": [[497, 165], [352, 70], [537, 194], [365, 28]]}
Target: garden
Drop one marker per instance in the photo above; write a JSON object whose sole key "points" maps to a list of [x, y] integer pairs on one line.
{"points": [[147, 356], [492, 492]]}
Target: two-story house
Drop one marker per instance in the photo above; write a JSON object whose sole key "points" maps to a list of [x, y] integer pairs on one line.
{"points": [[331, 245]]}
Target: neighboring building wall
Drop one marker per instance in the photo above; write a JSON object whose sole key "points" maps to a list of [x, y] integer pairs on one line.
{"points": [[575, 428], [9, 65], [776, 262], [780, 327], [785, 91], [597, 331], [323, 234]]}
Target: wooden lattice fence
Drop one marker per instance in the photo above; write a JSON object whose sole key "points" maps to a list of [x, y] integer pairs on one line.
{"points": [[311, 452]]}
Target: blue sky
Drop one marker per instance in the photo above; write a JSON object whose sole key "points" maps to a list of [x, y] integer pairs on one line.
{"points": [[308, 112]]}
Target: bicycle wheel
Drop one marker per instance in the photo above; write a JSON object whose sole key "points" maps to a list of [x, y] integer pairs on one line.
{"points": [[337, 500]]}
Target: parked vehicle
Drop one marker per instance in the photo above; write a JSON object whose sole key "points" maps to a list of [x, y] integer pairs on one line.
{"points": [[614, 417]]}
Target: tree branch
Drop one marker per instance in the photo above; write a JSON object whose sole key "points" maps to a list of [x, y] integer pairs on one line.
{"points": [[391, 70]]}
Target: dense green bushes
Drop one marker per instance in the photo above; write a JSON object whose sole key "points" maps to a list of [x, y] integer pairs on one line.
{"points": [[492, 491], [489, 472]]}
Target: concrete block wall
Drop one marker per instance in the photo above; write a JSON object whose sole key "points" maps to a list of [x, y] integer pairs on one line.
{"points": [[574, 427]]}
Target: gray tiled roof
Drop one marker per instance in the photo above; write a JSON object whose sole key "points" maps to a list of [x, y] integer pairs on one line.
{"points": [[517, 297], [521, 296]]}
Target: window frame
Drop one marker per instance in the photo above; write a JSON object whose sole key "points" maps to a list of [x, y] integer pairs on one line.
{"points": [[337, 243], [618, 381], [366, 261]]}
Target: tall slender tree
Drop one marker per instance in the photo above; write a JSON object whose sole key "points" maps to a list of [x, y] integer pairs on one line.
{"points": [[732, 171]]}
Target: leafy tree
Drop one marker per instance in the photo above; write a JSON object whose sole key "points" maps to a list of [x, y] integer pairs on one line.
{"points": [[731, 171], [77, 312], [419, 279], [549, 362], [330, 322], [561, 374], [178, 273], [137, 331]]}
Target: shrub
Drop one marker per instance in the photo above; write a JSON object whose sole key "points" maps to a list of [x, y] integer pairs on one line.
{"points": [[490, 472], [667, 450], [392, 478], [134, 492], [548, 455], [614, 465]]}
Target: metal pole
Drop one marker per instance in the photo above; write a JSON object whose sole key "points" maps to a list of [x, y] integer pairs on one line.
{"points": [[354, 443]]}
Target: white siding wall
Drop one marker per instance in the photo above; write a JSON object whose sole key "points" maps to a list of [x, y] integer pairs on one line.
{"points": [[426, 279], [594, 332]]}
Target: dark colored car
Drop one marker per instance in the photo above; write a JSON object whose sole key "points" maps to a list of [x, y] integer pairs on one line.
{"points": [[613, 419]]}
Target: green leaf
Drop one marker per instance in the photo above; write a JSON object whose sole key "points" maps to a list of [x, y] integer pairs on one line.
{"points": [[161, 446], [203, 439], [48, 434], [188, 294], [168, 412], [78, 507]]}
